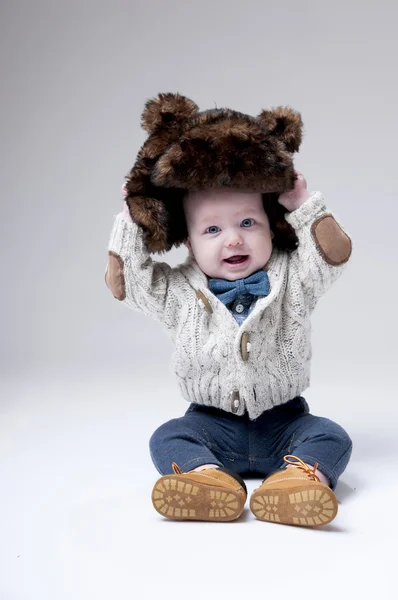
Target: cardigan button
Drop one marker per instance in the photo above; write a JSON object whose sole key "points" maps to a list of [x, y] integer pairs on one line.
{"points": [[245, 346], [204, 301], [235, 402]]}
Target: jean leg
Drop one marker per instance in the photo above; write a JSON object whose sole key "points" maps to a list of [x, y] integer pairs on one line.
{"points": [[180, 441], [270, 438]]}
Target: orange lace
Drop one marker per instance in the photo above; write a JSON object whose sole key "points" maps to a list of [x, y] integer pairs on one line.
{"points": [[302, 465], [176, 468]]}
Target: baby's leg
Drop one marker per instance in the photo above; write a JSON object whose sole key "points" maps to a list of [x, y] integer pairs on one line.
{"points": [[320, 440], [196, 484]]}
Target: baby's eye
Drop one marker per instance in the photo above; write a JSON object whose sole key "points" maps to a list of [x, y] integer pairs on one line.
{"points": [[245, 220], [212, 227]]}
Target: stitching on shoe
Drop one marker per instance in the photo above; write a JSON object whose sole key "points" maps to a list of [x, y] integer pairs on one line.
{"points": [[218, 480], [290, 478]]}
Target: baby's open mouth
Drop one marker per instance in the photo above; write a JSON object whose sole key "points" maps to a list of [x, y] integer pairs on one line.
{"points": [[236, 259]]}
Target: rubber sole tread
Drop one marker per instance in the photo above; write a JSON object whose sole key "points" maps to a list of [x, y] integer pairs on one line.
{"points": [[180, 498], [307, 505]]}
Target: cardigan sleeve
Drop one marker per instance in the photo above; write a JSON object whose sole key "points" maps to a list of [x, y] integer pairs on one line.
{"points": [[134, 278], [324, 247]]}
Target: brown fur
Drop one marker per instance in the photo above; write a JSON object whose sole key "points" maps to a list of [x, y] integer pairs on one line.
{"points": [[191, 150]]}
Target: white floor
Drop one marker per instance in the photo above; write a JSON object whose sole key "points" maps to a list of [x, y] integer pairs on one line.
{"points": [[76, 520]]}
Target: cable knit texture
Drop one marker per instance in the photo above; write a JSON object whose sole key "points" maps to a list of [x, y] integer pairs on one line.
{"points": [[255, 365]]}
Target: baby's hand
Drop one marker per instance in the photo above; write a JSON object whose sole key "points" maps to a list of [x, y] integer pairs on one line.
{"points": [[126, 212], [297, 196]]}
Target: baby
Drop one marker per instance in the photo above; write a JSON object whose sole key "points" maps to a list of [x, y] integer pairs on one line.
{"points": [[238, 310]]}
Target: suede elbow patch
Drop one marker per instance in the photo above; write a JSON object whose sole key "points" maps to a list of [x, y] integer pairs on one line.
{"points": [[114, 276], [332, 242]]}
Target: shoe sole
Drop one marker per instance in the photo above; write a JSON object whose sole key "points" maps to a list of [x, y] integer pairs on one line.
{"points": [[180, 498], [302, 505]]}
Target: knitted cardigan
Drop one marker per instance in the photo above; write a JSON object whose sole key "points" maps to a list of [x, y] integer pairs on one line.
{"points": [[263, 362]]}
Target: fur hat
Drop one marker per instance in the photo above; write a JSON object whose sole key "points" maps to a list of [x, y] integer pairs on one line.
{"points": [[191, 150]]}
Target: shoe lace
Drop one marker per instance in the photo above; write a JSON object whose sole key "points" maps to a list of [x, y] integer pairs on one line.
{"points": [[177, 469], [302, 465]]}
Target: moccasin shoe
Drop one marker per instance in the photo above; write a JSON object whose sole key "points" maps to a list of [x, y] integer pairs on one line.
{"points": [[212, 494], [294, 496]]}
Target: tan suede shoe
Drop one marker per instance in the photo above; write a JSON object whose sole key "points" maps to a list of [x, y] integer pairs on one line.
{"points": [[213, 494], [294, 496]]}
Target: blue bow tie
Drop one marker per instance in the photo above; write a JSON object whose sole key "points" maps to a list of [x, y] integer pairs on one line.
{"points": [[256, 284]]}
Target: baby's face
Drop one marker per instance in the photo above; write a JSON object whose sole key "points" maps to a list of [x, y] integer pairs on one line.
{"points": [[223, 223]]}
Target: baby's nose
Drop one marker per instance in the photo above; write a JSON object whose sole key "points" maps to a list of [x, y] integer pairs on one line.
{"points": [[234, 240]]}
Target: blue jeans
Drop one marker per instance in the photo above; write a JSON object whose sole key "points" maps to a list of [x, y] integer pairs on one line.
{"points": [[211, 435]]}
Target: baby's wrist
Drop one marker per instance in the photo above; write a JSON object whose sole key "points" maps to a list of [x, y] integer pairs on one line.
{"points": [[305, 196], [300, 200], [126, 212]]}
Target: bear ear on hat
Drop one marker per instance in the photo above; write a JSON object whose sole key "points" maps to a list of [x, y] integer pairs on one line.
{"points": [[285, 124], [167, 111]]}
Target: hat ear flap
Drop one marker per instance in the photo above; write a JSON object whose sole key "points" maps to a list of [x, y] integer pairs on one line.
{"points": [[285, 124], [167, 111]]}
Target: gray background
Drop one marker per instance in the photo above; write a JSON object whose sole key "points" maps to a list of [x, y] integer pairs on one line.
{"points": [[85, 381]]}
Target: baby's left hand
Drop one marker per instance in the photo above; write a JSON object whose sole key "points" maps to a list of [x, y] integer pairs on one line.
{"points": [[297, 196]]}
